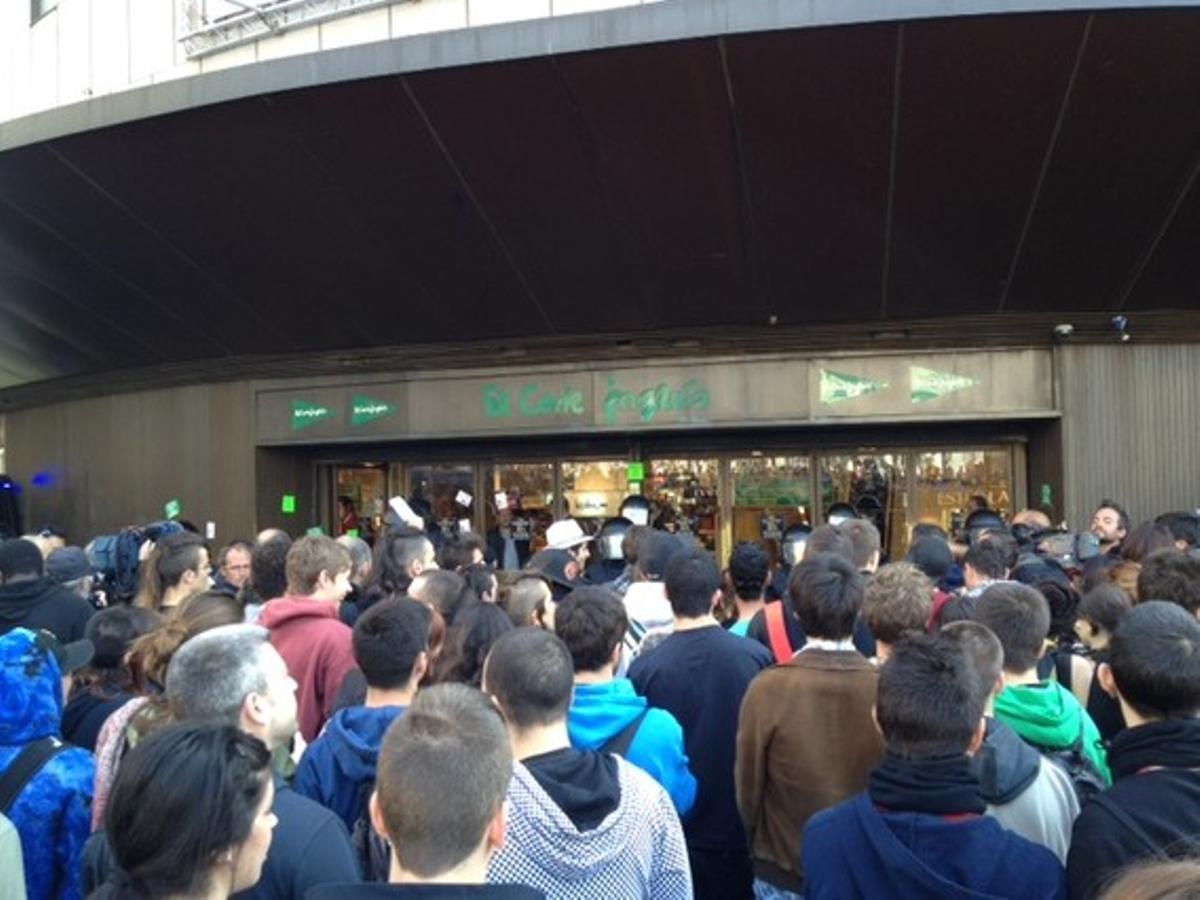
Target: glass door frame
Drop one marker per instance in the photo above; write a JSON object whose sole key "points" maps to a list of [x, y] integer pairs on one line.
{"points": [[399, 470]]}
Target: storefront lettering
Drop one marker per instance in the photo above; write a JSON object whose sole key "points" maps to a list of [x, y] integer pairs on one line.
{"points": [[532, 402], [649, 403], [306, 414]]}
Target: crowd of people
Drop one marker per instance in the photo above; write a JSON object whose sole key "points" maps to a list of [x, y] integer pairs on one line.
{"points": [[992, 716]]}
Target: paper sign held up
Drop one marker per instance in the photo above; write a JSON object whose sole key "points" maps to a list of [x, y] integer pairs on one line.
{"points": [[462, 498]]}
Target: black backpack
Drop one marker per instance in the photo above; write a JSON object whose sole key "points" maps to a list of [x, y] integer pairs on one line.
{"points": [[373, 851], [1086, 779]]}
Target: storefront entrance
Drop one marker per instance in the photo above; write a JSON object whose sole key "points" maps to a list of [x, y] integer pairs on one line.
{"points": [[720, 497]]}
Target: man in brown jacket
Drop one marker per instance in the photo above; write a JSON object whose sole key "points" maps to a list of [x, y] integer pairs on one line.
{"points": [[806, 740]]}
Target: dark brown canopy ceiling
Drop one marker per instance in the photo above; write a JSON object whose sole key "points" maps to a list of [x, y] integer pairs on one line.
{"points": [[854, 175]]}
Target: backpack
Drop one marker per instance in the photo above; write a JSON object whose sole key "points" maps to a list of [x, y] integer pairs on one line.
{"points": [[371, 849], [25, 765], [1085, 777]]}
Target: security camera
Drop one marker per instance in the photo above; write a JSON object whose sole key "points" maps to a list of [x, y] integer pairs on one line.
{"points": [[1120, 323], [1064, 331]]}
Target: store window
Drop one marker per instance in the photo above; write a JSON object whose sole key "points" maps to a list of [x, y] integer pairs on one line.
{"points": [[593, 490], [684, 498], [876, 486], [519, 507], [946, 483], [770, 493], [361, 501], [443, 493]]}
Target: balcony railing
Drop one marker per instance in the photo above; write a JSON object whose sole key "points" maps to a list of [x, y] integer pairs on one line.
{"points": [[210, 26]]}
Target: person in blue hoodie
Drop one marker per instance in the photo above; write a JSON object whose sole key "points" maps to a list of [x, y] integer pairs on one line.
{"points": [[919, 830], [53, 811], [391, 644], [606, 713]]}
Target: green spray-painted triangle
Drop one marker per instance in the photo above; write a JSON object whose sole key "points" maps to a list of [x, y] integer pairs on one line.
{"points": [[305, 414], [929, 384], [838, 387], [364, 410]]}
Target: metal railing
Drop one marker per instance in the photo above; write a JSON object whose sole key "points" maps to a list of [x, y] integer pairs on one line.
{"points": [[211, 26]]}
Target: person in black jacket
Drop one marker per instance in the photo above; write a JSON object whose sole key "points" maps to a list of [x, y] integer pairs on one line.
{"points": [[30, 600], [1153, 808]]}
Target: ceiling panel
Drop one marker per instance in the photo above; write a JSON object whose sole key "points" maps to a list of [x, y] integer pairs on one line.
{"points": [[978, 103], [1128, 141]]}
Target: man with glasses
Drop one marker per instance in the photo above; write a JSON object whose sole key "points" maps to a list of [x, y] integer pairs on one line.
{"points": [[233, 567]]}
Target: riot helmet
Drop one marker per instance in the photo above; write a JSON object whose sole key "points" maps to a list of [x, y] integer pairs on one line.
{"points": [[611, 537], [839, 513], [981, 522], [793, 543], [636, 509]]}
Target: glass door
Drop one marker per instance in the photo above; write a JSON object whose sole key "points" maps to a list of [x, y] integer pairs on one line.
{"points": [[876, 486], [947, 482], [361, 499], [770, 494], [518, 506], [444, 493], [593, 490], [684, 497]]}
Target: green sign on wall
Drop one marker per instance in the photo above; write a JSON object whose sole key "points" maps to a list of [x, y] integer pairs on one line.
{"points": [[929, 384], [364, 410], [838, 387], [305, 414]]}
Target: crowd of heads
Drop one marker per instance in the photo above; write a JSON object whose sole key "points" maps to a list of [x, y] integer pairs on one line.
{"points": [[481, 660]]}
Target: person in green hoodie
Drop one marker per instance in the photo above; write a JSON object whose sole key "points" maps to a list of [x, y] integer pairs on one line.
{"points": [[1044, 713]]}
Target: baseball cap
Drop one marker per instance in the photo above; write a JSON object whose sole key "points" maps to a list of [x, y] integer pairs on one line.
{"points": [[67, 564], [552, 564]]}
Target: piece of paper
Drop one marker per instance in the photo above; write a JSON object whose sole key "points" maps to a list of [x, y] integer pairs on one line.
{"points": [[401, 508], [464, 525], [462, 498], [210, 531], [501, 500]]}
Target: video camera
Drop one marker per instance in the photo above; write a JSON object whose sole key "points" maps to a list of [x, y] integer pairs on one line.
{"points": [[115, 558], [1070, 549]]}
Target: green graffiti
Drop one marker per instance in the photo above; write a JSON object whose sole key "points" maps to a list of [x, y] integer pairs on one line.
{"points": [[651, 402], [532, 402]]}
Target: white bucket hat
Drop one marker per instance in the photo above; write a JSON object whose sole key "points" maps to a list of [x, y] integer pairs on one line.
{"points": [[565, 534]]}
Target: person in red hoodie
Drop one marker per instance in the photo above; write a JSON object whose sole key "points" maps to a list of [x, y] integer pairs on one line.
{"points": [[306, 630]]}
